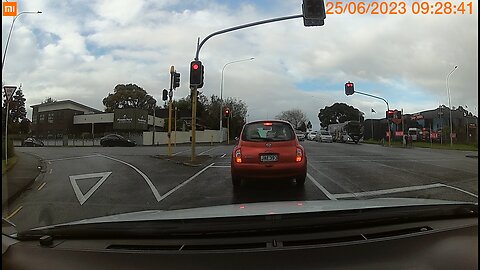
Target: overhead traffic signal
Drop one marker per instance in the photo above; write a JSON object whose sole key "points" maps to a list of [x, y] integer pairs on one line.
{"points": [[349, 89], [176, 79], [398, 114], [390, 114], [313, 12], [226, 112], [196, 74]]}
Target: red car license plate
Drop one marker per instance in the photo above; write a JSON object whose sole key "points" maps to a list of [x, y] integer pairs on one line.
{"points": [[269, 158]]}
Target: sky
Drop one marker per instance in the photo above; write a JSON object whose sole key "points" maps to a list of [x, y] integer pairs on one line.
{"points": [[79, 50]]}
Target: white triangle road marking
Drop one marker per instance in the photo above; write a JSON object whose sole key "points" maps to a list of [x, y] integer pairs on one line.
{"points": [[82, 198]]}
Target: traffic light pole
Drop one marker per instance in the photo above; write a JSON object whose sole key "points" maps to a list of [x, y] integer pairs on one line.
{"points": [[194, 119], [388, 108], [172, 70], [242, 27], [228, 129]]}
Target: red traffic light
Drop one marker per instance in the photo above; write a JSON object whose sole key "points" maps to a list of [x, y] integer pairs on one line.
{"points": [[195, 66]]}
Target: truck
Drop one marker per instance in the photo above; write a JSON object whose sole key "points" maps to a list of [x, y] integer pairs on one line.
{"points": [[349, 131], [415, 134]]}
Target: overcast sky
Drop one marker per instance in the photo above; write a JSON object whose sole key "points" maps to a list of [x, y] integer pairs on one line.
{"points": [[80, 50]]}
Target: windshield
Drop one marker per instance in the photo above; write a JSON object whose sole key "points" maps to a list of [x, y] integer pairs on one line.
{"points": [[154, 107]]}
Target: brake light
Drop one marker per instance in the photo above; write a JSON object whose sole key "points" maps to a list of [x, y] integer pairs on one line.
{"points": [[299, 156], [267, 124], [238, 156]]}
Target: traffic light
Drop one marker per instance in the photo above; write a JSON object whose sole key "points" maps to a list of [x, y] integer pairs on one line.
{"points": [[390, 114], [203, 72], [349, 89], [176, 80], [398, 114], [313, 12], [196, 74], [226, 112], [164, 95]]}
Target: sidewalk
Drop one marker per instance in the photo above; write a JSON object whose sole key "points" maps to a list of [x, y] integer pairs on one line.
{"points": [[20, 176]]}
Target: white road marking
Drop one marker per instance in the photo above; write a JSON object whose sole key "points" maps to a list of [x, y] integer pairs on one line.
{"points": [[14, 212], [50, 172], [180, 152], [208, 150], [80, 196], [68, 158], [377, 160], [223, 155], [42, 185], [185, 182], [220, 166], [149, 182], [322, 188], [325, 175], [459, 189], [386, 191]]}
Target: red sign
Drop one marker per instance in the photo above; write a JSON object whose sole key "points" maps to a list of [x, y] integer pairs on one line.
{"points": [[399, 133], [433, 135]]}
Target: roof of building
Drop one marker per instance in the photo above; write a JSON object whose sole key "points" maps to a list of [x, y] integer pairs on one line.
{"points": [[66, 102]]}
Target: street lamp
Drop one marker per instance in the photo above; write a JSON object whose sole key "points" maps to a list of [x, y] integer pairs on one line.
{"points": [[450, 108], [10, 33], [221, 94]]}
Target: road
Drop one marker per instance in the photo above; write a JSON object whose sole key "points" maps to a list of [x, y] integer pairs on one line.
{"points": [[86, 182]]}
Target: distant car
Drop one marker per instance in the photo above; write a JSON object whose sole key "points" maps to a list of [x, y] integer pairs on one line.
{"points": [[116, 140], [324, 136], [300, 135], [268, 149], [33, 142], [311, 135]]}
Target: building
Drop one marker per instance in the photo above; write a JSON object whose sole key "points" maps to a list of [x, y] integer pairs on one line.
{"points": [[436, 121], [67, 117]]}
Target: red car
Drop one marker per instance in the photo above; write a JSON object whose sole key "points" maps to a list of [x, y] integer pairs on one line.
{"points": [[268, 149]]}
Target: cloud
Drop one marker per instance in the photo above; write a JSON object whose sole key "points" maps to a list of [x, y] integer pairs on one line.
{"points": [[81, 49]]}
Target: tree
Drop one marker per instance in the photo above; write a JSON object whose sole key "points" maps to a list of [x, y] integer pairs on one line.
{"points": [[338, 113], [16, 111], [25, 125], [128, 96], [296, 117]]}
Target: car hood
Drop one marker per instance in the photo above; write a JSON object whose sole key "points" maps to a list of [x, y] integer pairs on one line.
{"points": [[265, 208]]}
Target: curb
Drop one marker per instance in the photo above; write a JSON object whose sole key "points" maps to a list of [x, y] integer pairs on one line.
{"points": [[40, 166]]}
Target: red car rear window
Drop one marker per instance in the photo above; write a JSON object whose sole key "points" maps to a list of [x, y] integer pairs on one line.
{"points": [[272, 131]]}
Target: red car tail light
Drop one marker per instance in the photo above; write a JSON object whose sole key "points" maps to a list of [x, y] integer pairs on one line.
{"points": [[238, 156], [299, 156]]}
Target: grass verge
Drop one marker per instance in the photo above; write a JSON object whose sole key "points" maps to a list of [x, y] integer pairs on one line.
{"points": [[11, 163]]}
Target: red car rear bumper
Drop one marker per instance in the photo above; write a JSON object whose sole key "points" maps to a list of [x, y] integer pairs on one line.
{"points": [[268, 170]]}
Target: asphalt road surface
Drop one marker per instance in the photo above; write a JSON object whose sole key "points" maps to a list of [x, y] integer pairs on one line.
{"points": [[85, 182]]}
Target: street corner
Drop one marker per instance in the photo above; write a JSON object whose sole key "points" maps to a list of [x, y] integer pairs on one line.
{"points": [[186, 160]]}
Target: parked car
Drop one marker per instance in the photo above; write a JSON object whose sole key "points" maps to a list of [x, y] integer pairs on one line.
{"points": [[33, 142], [300, 135], [311, 135], [324, 136], [116, 140], [268, 149]]}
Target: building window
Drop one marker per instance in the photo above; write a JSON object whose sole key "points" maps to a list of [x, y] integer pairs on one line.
{"points": [[34, 120], [42, 117], [50, 118]]}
